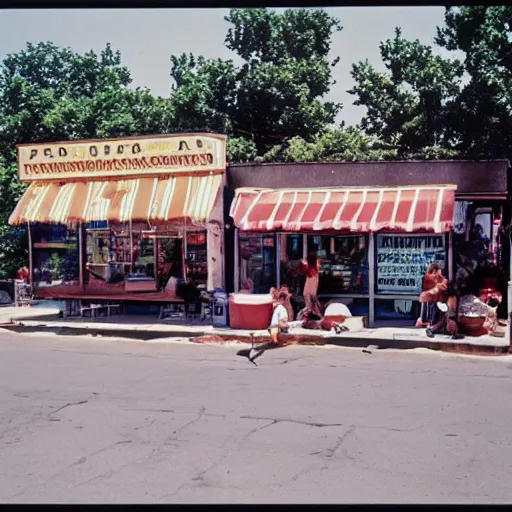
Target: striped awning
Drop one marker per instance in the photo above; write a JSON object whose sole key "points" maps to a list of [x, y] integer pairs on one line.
{"points": [[187, 198], [361, 210]]}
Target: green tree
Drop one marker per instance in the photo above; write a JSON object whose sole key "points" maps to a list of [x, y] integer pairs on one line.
{"points": [[276, 93], [410, 104], [333, 145], [49, 93], [482, 118]]}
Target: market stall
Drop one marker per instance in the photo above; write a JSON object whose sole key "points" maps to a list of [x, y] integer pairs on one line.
{"points": [[373, 243], [121, 217]]}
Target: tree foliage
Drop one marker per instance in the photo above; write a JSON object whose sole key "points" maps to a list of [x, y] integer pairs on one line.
{"points": [[48, 94], [435, 107], [410, 104], [276, 94], [482, 119]]}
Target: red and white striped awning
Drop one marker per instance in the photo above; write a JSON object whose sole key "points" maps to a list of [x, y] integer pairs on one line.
{"points": [[180, 198], [361, 210]]}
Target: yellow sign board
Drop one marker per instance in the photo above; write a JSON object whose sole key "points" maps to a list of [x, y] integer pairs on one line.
{"points": [[132, 156]]}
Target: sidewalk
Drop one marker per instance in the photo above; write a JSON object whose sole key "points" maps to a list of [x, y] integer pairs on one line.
{"points": [[146, 327], [9, 314]]}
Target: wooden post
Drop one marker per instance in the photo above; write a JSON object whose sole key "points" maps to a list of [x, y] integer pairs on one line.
{"points": [[30, 257], [236, 275], [371, 281]]}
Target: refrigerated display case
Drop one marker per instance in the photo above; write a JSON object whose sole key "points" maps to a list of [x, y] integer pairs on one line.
{"points": [[195, 259], [258, 261]]}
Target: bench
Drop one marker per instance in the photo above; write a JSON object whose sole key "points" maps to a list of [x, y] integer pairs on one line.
{"points": [[95, 308]]}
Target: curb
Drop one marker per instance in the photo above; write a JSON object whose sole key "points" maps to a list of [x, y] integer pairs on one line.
{"points": [[461, 348], [104, 332], [222, 337]]}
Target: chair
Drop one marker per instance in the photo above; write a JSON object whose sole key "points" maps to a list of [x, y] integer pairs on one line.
{"points": [[23, 293]]}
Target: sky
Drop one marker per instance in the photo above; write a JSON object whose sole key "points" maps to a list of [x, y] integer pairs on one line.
{"points": [[147, 37]]}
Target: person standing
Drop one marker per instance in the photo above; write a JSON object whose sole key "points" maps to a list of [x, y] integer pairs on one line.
{"points": [[311, 268]]}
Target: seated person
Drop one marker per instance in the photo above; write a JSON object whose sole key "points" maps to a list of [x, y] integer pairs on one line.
{"points": [[279, 322], [445, 316], [433, 286], [276, 293]]}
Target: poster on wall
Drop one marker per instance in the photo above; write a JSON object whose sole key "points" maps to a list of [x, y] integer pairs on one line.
{"points": [[403, 260]]}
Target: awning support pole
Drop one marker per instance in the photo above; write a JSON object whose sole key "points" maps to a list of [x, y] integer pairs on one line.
{"points": [[371, 280], [450, 255], [278, 260], [236, 265], [509, 291], [80, 255], [30, 257], [185, 250], [131, 246]]}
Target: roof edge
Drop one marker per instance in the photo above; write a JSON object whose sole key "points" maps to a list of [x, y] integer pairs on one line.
{"points": [[367, 162]]}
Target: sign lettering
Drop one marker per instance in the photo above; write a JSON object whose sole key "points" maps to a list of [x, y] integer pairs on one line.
{"points": [[403, 260], [121, 158]]}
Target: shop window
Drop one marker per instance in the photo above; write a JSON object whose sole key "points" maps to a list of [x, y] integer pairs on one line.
{"points": [[402, 260], [292, 253], [257, 262], [343, 263], [56, 255], [143, 255], [108, 253]]}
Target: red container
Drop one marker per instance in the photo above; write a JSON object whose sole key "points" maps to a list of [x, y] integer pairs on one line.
{"points": [[249, 311]]}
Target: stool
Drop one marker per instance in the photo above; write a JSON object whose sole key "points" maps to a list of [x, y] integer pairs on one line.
{"points": [[172, 311]]}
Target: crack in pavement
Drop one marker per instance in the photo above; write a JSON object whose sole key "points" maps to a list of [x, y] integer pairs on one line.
{"points": [[145, 426], [288, 420], [172, 411], [330, 452], [69, 404], [175, 433], [199, 477], [273, 422]]}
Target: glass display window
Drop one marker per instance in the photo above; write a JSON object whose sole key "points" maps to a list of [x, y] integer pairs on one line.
{"points": [[291, 254], [343, 263], [402, 260], [55, 255], [143, 254], [257, 262]]}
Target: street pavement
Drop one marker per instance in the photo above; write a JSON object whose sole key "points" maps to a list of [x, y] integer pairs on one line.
{"points": [[88, 420]]}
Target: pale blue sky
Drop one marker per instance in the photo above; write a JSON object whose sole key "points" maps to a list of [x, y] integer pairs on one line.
{"points": [[147, 37]]}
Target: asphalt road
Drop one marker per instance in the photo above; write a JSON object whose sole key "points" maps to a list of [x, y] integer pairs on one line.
{"points": [[94, 421]]}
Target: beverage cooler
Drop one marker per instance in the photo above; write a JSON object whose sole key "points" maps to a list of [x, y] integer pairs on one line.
{"points": [[258, 261], [195, 259]]}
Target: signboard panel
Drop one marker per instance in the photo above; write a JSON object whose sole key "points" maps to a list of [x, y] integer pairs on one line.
{"points": [[133, 156], [402, 261]]}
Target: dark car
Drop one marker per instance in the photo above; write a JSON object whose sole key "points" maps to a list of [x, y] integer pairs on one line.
{"points": [[6, 292]]}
